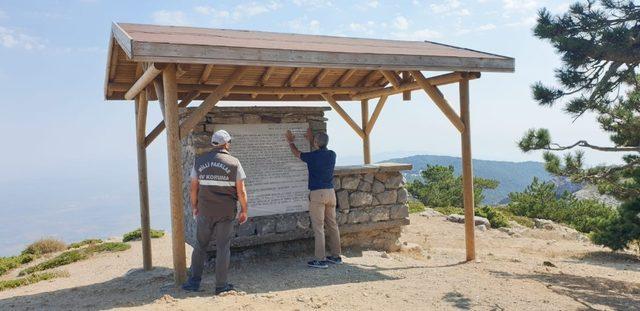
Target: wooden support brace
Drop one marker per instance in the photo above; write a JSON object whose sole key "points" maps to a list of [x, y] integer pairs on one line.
{"points": [[266, 75], [439, 99], [147, 77], [364, 111], [210, 102], [294, 75], [406, 78], [160, 127], [334, 104], [448, 78], [376, 114]]}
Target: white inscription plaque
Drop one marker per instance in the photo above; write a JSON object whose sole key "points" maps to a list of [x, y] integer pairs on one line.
{"points": [[276, 180]]}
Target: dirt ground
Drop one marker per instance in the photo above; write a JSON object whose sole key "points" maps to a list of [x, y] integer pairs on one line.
{"points": [[510, 275]]}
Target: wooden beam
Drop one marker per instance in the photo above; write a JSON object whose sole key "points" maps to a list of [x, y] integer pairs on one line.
{"points": [[160, 127], [294, 75], [376, 114], [366, 79], [406, 78], [364, 111], [266, 75], [345, 76], [210, 102], [147, 77], [158, 86], [271, 90], [174, 156], [182, 69], [448, 78], [320, 76], [467, 172], [204, 77], [392, 77], [334, 104], [143, 184], [439, 99]]}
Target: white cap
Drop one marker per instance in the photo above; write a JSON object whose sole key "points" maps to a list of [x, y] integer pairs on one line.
{"points": [[220, 137]]}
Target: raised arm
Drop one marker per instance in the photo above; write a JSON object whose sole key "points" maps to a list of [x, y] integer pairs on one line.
{"points": [[290, 138]]}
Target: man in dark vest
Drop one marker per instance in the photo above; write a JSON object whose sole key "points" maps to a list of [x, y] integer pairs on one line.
{"points": [[217, 184], [322, 197]]}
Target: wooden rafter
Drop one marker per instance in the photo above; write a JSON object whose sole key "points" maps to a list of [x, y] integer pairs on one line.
{"points": [[334, 104], [182, 70], [392, 77], [294, 75], [437, 97], [319, 77], [160, 127], [345, 76], [266, 75], [206, 72], [367, 78], [210, 101], [296, 90], [147, 77]]}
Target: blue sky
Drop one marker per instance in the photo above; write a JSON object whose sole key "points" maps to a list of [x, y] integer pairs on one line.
{"points": [[56, 128]]}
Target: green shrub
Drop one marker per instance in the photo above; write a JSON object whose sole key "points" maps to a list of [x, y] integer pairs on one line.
{"points": [[30, 279], [539, 200], [45, 246], [522, 220], [137, 234], [60, 260], [621, 230], [84, 242], [416, 207], [9, 263], [450, 210], [495, 216], [107, 247]]}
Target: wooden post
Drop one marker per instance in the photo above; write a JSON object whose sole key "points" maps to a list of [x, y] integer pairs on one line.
{"points": [[171, 122], [364, 105], [143, 185], [467, 170]]}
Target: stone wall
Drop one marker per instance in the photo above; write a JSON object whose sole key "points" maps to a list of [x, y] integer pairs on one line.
{"points": [[371, 199]]}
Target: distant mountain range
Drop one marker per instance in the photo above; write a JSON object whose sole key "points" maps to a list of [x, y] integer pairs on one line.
{"points": [[513, 176]]}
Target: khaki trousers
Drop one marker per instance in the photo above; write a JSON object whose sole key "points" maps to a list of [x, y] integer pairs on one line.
{"points": [[322, 209]]}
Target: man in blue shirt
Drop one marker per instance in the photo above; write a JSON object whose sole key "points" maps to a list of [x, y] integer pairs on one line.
{"points": [[322, 197]]}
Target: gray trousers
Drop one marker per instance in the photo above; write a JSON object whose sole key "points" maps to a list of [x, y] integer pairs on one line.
{"points": [[206, 227]]}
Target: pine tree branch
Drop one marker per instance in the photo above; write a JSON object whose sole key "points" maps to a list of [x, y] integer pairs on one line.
{"points": [[584, 143]]}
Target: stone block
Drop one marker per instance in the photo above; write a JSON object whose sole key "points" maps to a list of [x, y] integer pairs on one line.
{"points": [[364, 186], [285, 223], [266, 225], [394, 182], [379, 214], [336, 183], [294, 119], [358, 199], [246, 229], [250, 118], [368, 177], [304, 222], [399, 211], [378, 187], [381, 177], [403, 195], [271, 119], [343, 200], [387, 197], [342, 218], [350, 182], [358, 216], [227, 120]]}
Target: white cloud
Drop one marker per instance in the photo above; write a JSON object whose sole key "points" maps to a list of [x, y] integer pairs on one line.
{"points": [[313, 3], [401, 23], [366, 28], [481, 28], [519, 5], [374, 3], [11, 38], [207, 10], [417, 35], [445, 6], [301, 25], [174, 18], [527, 22], [245, 10]]}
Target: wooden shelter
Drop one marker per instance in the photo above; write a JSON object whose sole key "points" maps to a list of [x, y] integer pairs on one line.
{"points": [[180, 65]]}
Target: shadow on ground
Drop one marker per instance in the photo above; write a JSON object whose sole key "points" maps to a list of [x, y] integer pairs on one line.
{"points": [[139, 288], [620, 261], [592, 292]]}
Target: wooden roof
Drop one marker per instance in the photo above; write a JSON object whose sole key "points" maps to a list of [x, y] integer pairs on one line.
{"points": [[209, 56]]}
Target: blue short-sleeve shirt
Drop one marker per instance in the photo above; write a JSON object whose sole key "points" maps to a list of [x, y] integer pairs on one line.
{"points": [[320, 164]]}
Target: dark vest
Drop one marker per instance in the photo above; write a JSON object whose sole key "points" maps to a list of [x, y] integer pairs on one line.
{"points": [[217, 196]]}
